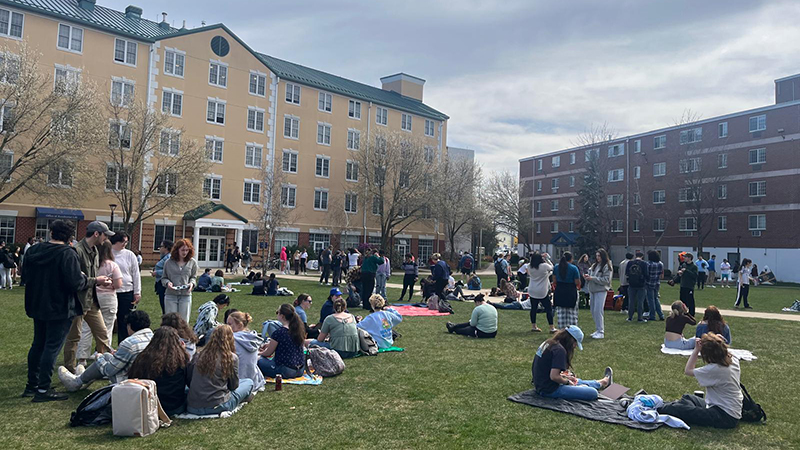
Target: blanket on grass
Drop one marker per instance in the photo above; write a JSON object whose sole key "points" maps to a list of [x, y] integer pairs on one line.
{"points": [[610, 411], [408, 311], [744, 355], [223, 415], [307, 379]]}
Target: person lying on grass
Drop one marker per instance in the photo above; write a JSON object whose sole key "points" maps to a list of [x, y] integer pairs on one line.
{"points": [[552, 375], [482, 324], [722, 406]]}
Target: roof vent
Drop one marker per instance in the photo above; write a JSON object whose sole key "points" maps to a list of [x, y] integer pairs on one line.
{"points": [[133, 12], [88, 5], [163, 24], [183, 27]]}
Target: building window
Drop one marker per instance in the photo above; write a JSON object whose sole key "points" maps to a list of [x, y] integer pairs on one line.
{"points": [[351, 202], [174, 62], [212, 188], [120, 135], [572, 227], [291, 127], [757, 222], [351, 172], [591, 154], [13, 27], [320, 199], [170, 142], [722, 191], [323, 133], [637, 199], [69, 38], [555, 161], [7, 227], [292, 93], [690, 165], [252, 155], [258, 84], [353, 139], [758, 123], [757, 188], [637, 146], [121, 92], [723, 129], [252, 192], [214, 148], [6, 164], [554, 205], [722, 161], [572, 158], [68, 78], [722, 223], [381, 116], [405, 122], [9, 68], [539, 164], [290, 161], [255, 119], [615, 175], [250, 240], [689, 194], [616, 226], [289, 196], [172, 102], [554, 185], [616, 150], [163, 233], [325, 102], [539, 186], [538, 206], [660, 142], [687, 224], [218, 74], [538, 227], [659, 169], [758, 156], [429, 129], [659, 225], [286, 239], [116, 179], [637, 172], [571, 181], [425, 250], [635, 225], [354, 109], [614, 200], [167, 184], [659, 197], [323, 166], [572, 204], [554, 228], [59, 175], [377, 205], [691, 136], [124, 51], [216, 111]]}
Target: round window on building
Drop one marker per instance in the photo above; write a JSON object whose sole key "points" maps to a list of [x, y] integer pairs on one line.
{"points": [[220, 46]]}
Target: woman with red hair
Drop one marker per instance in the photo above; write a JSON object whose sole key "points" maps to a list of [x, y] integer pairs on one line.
{"points": [[180, 277]]}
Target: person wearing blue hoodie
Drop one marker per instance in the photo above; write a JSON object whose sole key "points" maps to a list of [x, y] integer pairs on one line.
{"points": [[247, 344], [380, 323], [440, 272]]}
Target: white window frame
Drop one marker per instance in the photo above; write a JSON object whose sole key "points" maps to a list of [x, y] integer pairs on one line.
{"points": [[617, 226], [685, 222], [554, 185], [554, 205], [293, 93], [351, 202], [406, 122], [688, 194], [173, 93], [173, 137], [290, 197], [538, 227], [72, 77], [554, 228], [616, 175], [7, 32], [256, 111], [321, 191], [126, 52], [689, 165], [761, 156], [659, 142], [572, 158], [294, 127], [124, 100], [259, 76], [614, 200], [353, 139], [539, 164], [760, 123], [637, 199], [590, 154], [555, 161], [293, 157], [70, 37], [354, 109], [255, 153], [538, 185], [722, 129], [759, 218], [350, 169], [212, 179], [659, 225], [635, 227], [221, 78], [325, 102], [538, 206], [176, 54], [760, 189], [167, 185], [659, 169], [430, 128], [722, 191], [572, 181], [59, 183], [616, 150], [7, 154], [571, 204], [662, 196], [324, 130], [381, 116], [637, 146], [691, 136], [722, 223], [253, 193], [322, 170], [121, 127], [118, 170], [722, 161], [637, 172], [214, 140], [218, 104]]}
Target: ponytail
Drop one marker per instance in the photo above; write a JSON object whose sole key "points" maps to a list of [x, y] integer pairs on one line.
{"points": [[242, 318], [296, 328], [300, 299], [563, 264]]}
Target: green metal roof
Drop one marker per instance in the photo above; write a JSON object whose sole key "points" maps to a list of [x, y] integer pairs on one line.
{"points": [[99, 17], [208, 208]]}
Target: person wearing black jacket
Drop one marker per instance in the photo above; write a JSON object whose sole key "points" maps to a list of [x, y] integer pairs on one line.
{"points": [[336, 267], [53, 277], [440, 272], [325, 266]]}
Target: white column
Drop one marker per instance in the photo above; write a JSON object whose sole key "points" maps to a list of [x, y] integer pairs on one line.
{"points": [[239, 238], [196, 237]]}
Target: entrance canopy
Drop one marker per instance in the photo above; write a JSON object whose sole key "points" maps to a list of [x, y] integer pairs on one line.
{"points": [[55, 213], [563, 239], [211, 223]]}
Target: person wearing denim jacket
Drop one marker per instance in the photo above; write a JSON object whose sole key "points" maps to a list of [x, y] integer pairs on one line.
{"points": [[382, 275]]}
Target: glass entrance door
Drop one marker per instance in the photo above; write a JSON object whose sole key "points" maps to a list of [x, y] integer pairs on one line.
{"points": [[211, 247]]}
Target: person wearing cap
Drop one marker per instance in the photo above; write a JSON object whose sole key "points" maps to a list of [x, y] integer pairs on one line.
{"points": [[482, 323], [552, 375], [327, 307], [96, 233]]}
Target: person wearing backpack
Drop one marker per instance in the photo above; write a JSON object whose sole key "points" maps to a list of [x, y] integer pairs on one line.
{"points": [[342, 329], [598, 281], [636, 272], [502, 268], [466, 265], [722, 405]]}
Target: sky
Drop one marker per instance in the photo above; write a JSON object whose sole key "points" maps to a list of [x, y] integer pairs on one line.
{"points": [[525, 77]]}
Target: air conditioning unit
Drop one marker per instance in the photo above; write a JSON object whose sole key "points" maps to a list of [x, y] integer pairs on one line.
{"points": [[756, 233]]}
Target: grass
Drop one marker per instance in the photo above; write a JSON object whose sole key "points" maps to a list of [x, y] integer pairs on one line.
{"points": [[444, 391]]}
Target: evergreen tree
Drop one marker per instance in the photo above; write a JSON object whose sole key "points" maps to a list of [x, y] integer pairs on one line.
{"points": [[590, 195]]}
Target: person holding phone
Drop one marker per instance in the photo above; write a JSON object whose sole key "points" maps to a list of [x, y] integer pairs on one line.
{"points": [[180, 277]]}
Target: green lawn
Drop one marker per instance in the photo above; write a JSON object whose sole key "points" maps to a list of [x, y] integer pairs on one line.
{"points": [[444, 391]]}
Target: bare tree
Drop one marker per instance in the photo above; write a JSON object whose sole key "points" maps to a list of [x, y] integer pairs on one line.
{"points": [[398, 173], [455, 201], [151, 167], [50, 130], [277, 207], [504, 195]]}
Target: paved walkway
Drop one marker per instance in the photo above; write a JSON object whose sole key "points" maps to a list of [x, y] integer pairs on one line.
{"points": [[314, 276]]}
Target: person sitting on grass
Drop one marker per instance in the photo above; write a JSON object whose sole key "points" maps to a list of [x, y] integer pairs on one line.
{"points": [[247, 344], [207, 315], [301, 304], [454, 288], [217, 281], [509, 291], [213, 377], [474, 283], [482, 323], [341, 328], [165, 361], [285, 346], [713, 322], [552, 375], [271, 285], [187, 335], [722, 406], [112, 366], [204, 281], [327, 307], [380, 323], [677, 320]]}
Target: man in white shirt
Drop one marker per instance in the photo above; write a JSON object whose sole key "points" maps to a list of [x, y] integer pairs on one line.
{"points": [[130, 293], [623, 281]]}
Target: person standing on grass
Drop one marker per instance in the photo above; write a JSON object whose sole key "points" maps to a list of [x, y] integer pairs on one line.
{"points": [[229, 258], [540, 269], [702, 271], [325, 266], [688, 274], [655, 272], [180, 271], [106, 298], [743, 284], [130, 293], [722, 405], [369, 267], [284, 257], [636, 271], [158, 271], [303, 261], [599, 282], [247, 259], [725, 273], [565, 297], [53, 278], [6, 267], [482, 323], [583, 267], [352, 257], [712, 271], [623, 281], [440, 272], [296, 262], [466, 265], [410, 276], [502, 268], [522, 275], [336, 268], [382, 275]]}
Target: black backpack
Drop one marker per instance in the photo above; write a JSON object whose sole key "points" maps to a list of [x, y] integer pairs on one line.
{"points": [[635, 274], [94, 410], [751, 411], [498, 267]]}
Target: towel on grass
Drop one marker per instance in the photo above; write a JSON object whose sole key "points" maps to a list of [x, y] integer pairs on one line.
{"points": [[408, 311], [222, 415], [307, 379], [645, 409], [744, 355], [609, 411], [390, 349]]}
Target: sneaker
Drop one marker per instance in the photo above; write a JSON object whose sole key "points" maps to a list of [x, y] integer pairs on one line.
{"points": [[450, 326], [610, 374], [642, 320], [49, 396], [628, 319], [71, 382], [748, 307], [28, 392], [598, 335], [79, 369]]}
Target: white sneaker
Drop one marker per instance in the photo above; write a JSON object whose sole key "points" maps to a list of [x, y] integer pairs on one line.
{"points": [[71, 382], [596, 335], [79, 369]]}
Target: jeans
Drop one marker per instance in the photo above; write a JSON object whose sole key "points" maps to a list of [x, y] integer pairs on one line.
{"points": [[5, 277], [680, 344], [596, 304], [270, 369], [297, 267], [125, 306], [91, 374], [408, 283], [48, 338], [367, 285], [237, 396], [161, 291], [95, 320], [655, 305], [108, 309], [636, 296], [687, 297], [701, 280], [326, 273], [515, 305], [548, 309], [380, 284], [465, 329], [584, 390], [337, 276], [303, 265], [692, 410], [624, 291], [181, 304]]}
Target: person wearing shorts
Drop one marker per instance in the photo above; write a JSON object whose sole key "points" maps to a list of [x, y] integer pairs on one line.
{"points": [[725, 273]]}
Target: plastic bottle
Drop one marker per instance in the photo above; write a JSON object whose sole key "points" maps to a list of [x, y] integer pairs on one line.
{"points": [[279, 382]]}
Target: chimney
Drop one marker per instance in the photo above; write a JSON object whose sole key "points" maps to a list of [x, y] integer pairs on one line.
{"points": [[404, 84], [183, 27], [88, 5], [133, 12], [163, 24]]}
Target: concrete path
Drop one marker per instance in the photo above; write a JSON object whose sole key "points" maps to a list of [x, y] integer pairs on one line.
{"points": [[794, 317]]}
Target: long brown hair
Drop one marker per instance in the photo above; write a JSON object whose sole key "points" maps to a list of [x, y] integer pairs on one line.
{"points": [[105, 252], [175, 254], [567, 341], [163, 355], [219, 350], [176, 321], [714, 350], [604, 261], [714, 319], [296, 328]]}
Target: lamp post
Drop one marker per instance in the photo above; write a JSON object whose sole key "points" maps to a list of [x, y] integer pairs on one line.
{"points": [[113, 206]]}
